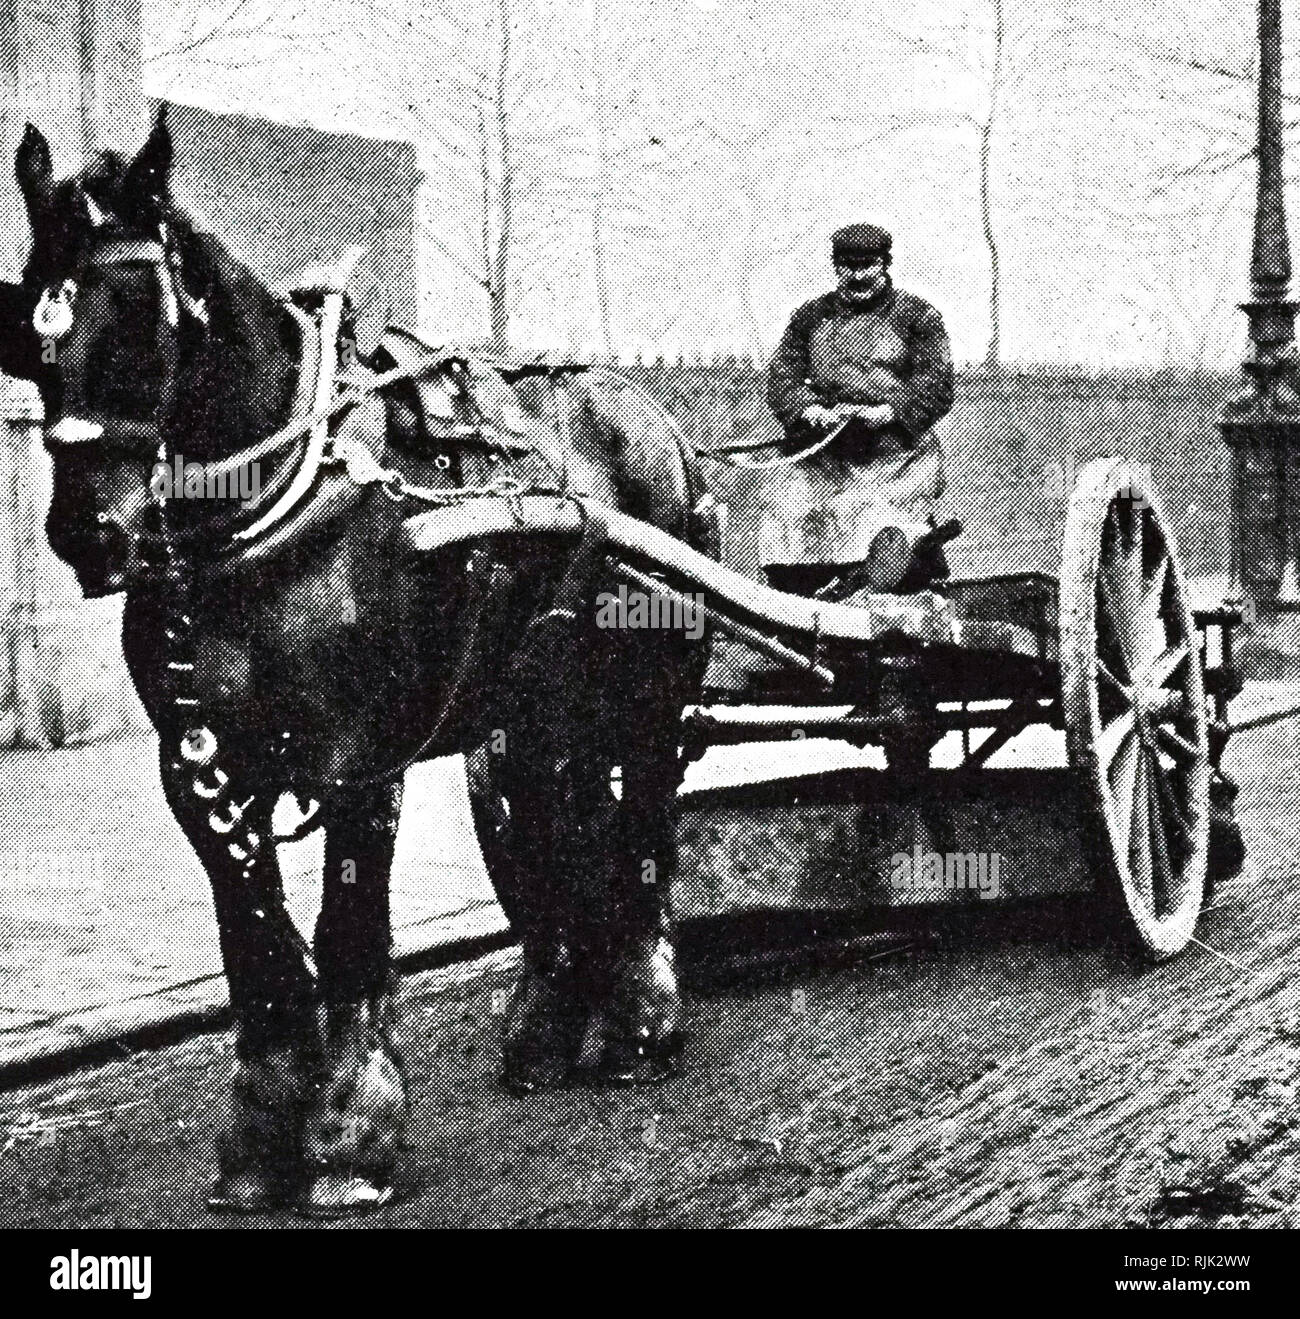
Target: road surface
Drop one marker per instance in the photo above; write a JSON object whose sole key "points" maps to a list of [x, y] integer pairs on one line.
{"points": [[1010, 1071]]}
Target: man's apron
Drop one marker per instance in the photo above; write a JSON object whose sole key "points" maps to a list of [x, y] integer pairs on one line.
{"points": [[829, 508]]}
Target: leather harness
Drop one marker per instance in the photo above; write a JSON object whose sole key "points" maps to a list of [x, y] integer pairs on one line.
{"points": [[332, 475]]}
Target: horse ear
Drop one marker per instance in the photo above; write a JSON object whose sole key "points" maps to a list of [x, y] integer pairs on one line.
{"points": [[34, 167], [147, 175]]}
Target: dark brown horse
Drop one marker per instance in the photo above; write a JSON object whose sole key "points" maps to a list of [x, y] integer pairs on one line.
{"points": [[308, 654]]}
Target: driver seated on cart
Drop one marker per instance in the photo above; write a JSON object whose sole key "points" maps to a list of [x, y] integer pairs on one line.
{"points": [[870, 363]]}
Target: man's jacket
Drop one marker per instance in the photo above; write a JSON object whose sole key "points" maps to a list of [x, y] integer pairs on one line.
{"points": [[828, 508], [893, 350]]}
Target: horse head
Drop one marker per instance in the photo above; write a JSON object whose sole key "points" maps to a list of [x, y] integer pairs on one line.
{"points": [[120, 285], [101, 316]]}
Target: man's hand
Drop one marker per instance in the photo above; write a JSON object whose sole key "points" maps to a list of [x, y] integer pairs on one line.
{"points": [[874, 415], [820, 418]]}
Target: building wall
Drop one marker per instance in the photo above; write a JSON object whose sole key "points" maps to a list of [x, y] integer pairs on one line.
{"points": [[282, 196]]}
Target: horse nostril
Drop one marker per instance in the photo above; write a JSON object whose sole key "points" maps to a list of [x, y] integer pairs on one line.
{"points": [[109, 538]]}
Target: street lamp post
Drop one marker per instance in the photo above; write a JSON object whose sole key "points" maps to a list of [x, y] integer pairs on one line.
{"points": [[1261, 425]]}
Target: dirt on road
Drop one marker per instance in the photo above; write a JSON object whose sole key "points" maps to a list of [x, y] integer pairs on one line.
{"points": [[1010, 1070]]}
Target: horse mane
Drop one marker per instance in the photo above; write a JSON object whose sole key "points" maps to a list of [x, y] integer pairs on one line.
{"points": [[238, 380], [252, 316]]}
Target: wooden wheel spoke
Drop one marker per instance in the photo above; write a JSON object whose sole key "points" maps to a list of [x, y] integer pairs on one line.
{"points": [[1177, 746], [1116, 659], [1113, 737], [1171, 805], [1123, 782], [1154, 591], [1124, 588], [1162, 869], [1119, 614], [1165, 665], [1139, 845], [1119, 688], [1137, 528]]}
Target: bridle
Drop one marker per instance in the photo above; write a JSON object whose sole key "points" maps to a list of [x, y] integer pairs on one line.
{"points": [[54, 318], [148, 439], [171, 566]]}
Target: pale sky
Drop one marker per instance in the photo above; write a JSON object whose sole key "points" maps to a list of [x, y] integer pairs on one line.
{"points": [[740, 132]]}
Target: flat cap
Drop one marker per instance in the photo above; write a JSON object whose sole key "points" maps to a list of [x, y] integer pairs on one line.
{"points": [[860, 240]]}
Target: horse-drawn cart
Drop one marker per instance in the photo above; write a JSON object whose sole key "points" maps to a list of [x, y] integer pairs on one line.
{"points": [[345, 662], [1110, 651]]}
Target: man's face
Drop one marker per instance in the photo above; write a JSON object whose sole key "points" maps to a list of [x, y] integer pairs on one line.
{"points": [[861, 277]]}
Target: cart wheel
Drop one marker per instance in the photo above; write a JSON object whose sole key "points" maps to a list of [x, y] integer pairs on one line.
{"points": [[1134, 705]]}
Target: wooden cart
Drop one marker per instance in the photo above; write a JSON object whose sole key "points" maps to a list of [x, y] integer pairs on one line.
{"points": [[1110, 650]]}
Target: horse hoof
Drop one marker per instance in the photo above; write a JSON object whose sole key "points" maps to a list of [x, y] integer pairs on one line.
{"points": [[247, 1192], [257, 1156], [335, 1195], [643, 1064], [640, 1036], [355, 1128], [525, 1072], [520, 1083], [522, 1079], [542, 1033]]}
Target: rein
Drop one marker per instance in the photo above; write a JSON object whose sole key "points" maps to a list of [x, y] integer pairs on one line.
{"points": [[734, 455]]}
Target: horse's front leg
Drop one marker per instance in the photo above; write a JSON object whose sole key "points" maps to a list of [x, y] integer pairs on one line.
{"points": [[357, 1120], [641, 1020], [273, 996]]}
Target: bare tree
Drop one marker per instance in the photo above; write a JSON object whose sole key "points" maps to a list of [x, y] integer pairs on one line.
{"points": [[637, 173], [466, 125], [601, 190], [996, 51], [734, 164], [1187, 78], [481, 88]]}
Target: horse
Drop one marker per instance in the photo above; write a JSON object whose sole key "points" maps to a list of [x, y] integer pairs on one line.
{"points": [[305, 653]]}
